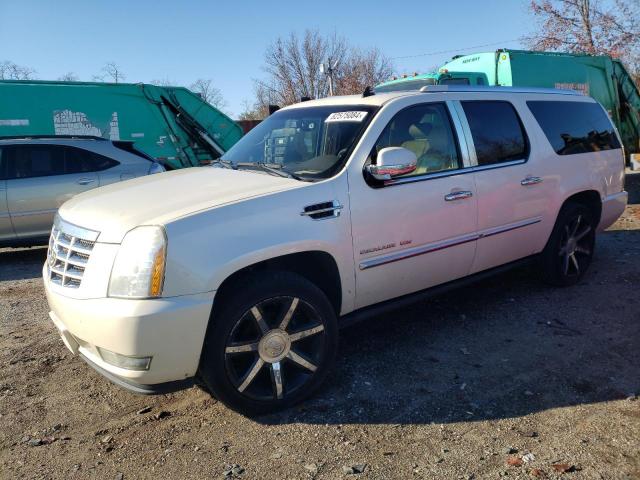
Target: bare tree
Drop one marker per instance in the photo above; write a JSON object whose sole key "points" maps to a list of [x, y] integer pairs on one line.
{"points": [[12, 71], [252, 111], [210, 94], [363, 69], [292, 65], [68, 77], [111, 73], [610, 27]]}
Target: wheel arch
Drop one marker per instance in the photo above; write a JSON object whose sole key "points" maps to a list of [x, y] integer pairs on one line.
{"points": [[317, 266], [589, 198]]}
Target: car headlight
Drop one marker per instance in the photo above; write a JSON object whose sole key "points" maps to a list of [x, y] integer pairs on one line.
{"points": [[138, 270]]}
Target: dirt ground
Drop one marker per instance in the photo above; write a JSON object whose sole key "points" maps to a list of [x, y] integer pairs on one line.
{"points": [[504, 378]]}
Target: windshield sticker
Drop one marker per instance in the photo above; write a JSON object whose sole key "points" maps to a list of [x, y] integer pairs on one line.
{"points": [[346, 117]]}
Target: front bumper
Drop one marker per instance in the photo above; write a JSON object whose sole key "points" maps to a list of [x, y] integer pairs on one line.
{"points": [[170, 330]]}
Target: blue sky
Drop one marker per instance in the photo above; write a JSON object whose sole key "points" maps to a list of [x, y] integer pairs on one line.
{"points": [[225, 41]]}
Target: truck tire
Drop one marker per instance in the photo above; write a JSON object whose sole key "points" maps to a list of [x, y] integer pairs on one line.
{"points": [[569, 251], [270, 344]]}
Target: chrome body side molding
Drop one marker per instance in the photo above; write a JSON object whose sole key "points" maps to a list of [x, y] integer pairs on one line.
{"points": [[434, 247]]}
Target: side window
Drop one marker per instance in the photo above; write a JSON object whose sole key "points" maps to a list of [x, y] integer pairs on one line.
{"points": [[575, 127], [3, 166], [27, 161], [82, 161], [426, 131], [497, 132], [455, 81]]}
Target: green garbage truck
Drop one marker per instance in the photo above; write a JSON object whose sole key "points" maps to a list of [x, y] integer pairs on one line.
{"points": [[171, 124], [601, 77]]}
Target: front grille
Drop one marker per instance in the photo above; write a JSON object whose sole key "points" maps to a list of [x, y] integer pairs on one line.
{"points": [[68, 255]]}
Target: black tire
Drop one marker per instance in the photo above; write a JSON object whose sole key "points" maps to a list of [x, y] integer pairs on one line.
{"points": [[240, 342], [569, 251]]}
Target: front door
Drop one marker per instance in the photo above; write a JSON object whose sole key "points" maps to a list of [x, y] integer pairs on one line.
{"points": [[38, 184], [418, 230]]}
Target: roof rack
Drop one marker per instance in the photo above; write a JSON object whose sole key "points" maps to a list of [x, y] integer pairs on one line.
{"points": [[54, 137], [473, 88]]}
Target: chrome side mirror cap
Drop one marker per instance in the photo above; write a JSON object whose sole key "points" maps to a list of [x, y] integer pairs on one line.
{"points": [[392, 162]]}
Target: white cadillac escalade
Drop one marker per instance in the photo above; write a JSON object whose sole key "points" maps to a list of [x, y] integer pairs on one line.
{"points": [[241, 273]]}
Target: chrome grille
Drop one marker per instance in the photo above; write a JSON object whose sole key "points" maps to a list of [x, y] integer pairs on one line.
{"points": [[69, 250]]}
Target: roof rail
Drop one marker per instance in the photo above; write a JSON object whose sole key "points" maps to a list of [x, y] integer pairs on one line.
{"points": [[53, 137], [474, 88]]}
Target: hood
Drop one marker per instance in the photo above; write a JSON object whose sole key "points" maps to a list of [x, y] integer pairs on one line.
{"points": [[115, 209]]}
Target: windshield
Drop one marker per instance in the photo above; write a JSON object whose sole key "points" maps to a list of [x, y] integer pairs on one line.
{"points": [[306, 143]]}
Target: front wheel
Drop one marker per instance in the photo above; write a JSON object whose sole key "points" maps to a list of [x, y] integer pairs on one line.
{"points": [[569, 250], [269, 345]]}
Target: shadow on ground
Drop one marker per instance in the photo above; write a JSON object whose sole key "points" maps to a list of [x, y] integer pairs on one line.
{"points": [[21, 263], [507, 347]]}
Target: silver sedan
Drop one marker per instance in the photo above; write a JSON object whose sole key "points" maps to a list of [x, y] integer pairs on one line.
{"points": [[38, 174]]}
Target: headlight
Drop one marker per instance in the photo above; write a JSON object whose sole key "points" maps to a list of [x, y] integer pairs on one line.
{"points": [[138, 271]]}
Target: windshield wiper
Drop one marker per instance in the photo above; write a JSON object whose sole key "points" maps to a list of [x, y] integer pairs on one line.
{"points": [[282, 173], [266, 168]]}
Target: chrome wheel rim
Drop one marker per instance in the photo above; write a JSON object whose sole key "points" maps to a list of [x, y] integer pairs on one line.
{"points": [[275, 348], [576, 246]]}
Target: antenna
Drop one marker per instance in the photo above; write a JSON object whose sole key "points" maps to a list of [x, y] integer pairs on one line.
{"points": [[328, 69]]}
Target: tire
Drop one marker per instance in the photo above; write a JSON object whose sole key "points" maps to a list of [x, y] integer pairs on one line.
{"points": [[270, 344], [569, 251]]}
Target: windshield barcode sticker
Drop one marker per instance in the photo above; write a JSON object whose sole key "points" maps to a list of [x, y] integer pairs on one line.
{"points": [[346, 117]]}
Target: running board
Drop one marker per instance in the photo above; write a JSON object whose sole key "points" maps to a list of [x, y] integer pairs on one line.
{"points": [[412, 298]]}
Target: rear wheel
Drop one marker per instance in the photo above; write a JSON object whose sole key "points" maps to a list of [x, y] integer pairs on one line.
{"points": [[270, 345], [569, 251]]}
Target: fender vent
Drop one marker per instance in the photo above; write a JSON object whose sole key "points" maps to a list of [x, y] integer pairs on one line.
{"points": [[322, 211]]}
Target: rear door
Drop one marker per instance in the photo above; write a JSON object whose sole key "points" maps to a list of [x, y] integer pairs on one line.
{"points": [[6, 229], [39, 181], [514, 189]]}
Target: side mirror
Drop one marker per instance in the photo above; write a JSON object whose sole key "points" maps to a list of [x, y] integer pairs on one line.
{"points": [[392, 162]]}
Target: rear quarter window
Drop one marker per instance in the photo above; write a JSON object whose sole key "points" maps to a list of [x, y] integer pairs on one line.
{"points": [[80, 161], [575, 127]]}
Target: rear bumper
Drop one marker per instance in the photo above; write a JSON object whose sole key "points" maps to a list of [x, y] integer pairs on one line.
{"points": [[169, 330], [612, 207]]}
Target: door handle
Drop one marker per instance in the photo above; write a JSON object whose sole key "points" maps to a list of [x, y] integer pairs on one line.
{"points": [[85, 181], [530, 181], [461, 195]]}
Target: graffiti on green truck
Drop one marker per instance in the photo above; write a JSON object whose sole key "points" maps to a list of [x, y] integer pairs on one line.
{"points": [[171, 124]]}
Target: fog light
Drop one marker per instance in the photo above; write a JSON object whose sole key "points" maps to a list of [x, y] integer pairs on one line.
{"points": [[124, 361]]}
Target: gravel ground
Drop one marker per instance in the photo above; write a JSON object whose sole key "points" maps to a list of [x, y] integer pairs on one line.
{"points": [[505, 378]]}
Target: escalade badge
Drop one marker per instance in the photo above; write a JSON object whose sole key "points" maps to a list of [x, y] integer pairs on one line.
{"points": [[377, 249]]}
